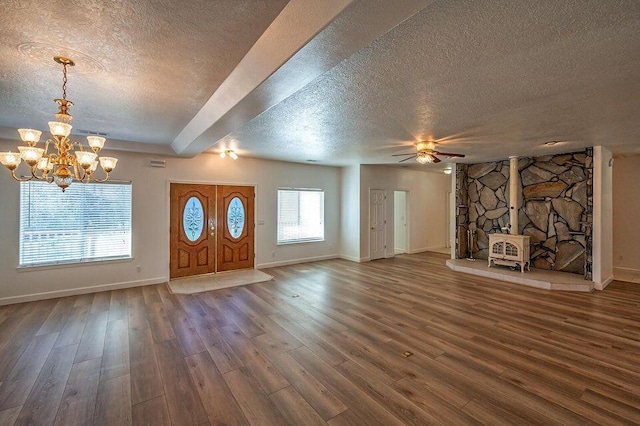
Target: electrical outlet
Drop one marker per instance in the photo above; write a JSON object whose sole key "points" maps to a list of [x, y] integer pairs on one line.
{"points": [[273, 254], [138, 268]]}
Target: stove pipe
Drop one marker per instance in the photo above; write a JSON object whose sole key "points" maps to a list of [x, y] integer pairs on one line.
{"points": [[514, 176]]}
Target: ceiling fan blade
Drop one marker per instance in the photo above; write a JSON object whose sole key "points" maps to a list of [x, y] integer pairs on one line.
{"points": [[448, 154], [435, 159], [402, 155], [407, 159]]}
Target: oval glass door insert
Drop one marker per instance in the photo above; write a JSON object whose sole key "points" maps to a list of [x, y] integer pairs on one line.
{"points": [[193, 219], [235, 217]]}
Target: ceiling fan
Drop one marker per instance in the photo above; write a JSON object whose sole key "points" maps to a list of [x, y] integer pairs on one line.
{"points": [[427, 153]]}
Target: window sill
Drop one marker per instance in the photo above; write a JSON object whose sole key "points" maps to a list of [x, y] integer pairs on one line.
{"points": [[301, 242], [95, 262]]}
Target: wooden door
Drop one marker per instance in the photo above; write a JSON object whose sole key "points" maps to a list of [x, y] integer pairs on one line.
{"points": [[235, 227], [377, 221], [192, 230]]}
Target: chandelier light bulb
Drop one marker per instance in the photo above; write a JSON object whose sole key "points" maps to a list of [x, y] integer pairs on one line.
{"points": [[85, 158], [10, 160], [108, 163], [96, 142], [223, 154], [30, 136], [45, 164], [30, 154], [58, 128], [233, 155]]}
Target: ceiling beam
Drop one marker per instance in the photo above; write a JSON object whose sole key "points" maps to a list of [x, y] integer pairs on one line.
{"points": [[306, 39]]}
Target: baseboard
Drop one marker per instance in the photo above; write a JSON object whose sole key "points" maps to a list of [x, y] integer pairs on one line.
{"points": [[350, 258], [419, 250], [604, 284], [80, 290], [629, 275], [295, 261]]}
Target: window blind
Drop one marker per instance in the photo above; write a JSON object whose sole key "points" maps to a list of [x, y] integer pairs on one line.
{"points": [[300, 215], [87, 222]]}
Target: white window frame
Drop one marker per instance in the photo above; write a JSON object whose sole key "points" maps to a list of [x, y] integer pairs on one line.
{"points": [[28, 260], [280, 241]]}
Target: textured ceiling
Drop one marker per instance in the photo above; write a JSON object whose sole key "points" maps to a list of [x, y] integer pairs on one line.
{"points": [[487, 78], [144, 68]]}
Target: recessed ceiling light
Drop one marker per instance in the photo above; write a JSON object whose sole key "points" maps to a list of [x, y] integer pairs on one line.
{"points": [[551, 143]]}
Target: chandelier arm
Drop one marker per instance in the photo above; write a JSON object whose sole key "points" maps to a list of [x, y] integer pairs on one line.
{"points": [[101, 180], [21, 179]]}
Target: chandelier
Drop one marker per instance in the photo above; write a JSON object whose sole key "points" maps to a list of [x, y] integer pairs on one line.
{"points": [[69, 161]]}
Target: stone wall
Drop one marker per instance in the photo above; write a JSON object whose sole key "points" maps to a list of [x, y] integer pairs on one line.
{"points": [[554, 207]]}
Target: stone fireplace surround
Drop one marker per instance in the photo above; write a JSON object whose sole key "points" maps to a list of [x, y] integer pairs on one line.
{"points": [[555, 204]]}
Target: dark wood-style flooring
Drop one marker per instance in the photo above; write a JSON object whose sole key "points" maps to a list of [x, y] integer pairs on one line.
{"points": [[323, 343]]}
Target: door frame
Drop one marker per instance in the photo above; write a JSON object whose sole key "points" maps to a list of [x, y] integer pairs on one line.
{"points": [[167, 216]]}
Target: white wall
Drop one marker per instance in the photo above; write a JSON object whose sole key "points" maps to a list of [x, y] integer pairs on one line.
{"points": [[626, 226], [427, 195], [151, 221], [350, 213], [602, 217]]}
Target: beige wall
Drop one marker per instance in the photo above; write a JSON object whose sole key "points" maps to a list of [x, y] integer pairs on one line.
{"points": [[626, 210], [150, 240], [350, 213], [427, 196]]}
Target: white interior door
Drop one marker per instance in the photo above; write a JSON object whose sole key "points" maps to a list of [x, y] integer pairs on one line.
{"points": [[400, 222], [377, 222]]}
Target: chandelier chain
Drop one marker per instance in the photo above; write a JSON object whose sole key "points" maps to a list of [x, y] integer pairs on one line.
{"points": [[64, 81]]}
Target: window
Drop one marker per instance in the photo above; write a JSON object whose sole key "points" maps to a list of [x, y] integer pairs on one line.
{"points": [[88, 222], [300, 215]]}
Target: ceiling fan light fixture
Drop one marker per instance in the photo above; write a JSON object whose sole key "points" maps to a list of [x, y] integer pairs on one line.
{"points": [[426, 146], [230, 153], [423, 158]]}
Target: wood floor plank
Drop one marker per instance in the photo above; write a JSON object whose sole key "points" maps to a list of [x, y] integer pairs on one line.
{"points": [[146, 382], [101, 302], [295, 408], [185, 406], [157, 315], [92, 340], [185, 332], [113, 404], [115, 359], [218, 401], [323, 401], [17, 333], [359, 403], [118, 305], [9, 416], [79, 398], [265, 374], [42, 403], [58, 316], [153, 412], [71, 333], [18, 384], [220, 351], [257, 407]]}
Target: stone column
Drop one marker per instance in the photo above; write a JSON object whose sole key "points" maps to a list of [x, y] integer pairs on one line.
{"points": [[513, 194]]}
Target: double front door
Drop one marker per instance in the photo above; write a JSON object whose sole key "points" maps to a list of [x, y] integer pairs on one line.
{"points": [[211, 229]]}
